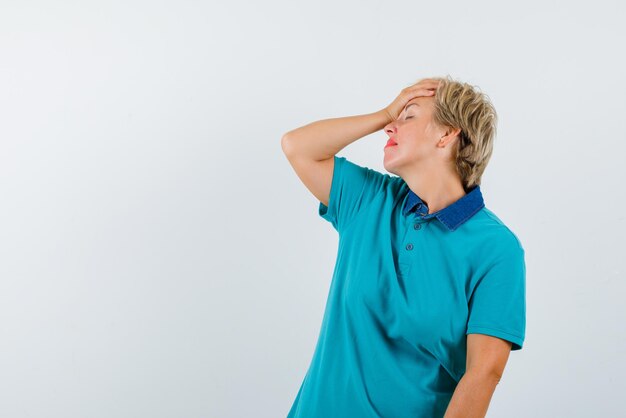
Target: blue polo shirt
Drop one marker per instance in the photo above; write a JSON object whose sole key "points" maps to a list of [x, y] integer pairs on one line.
{"points": [[407, 288]]}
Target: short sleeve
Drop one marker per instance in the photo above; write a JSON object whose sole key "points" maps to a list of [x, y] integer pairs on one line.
{"points": [[497, 306], [352, 188]]}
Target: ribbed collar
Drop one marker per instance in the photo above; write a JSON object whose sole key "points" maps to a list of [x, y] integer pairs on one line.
{"points": [[451, 216]]}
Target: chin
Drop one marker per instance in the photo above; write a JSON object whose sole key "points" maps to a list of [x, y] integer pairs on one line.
{"points": [[389, 166]]}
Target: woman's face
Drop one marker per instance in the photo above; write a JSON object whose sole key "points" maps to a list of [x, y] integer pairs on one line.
{"points": [[414, 134]]}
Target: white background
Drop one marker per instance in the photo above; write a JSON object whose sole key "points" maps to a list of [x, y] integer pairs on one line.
{"points": [[160, 258]]}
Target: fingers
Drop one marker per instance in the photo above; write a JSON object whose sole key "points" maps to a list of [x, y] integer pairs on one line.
{"points": [[421, 89], [426, 83], [427, 88], [430, 84]]}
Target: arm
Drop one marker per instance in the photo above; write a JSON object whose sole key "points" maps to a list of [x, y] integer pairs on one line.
{"points": [[311, 149], [486, 359], [322, 139]]}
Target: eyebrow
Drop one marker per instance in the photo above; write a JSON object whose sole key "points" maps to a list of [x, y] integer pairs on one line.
{"points": [[411, 105]]}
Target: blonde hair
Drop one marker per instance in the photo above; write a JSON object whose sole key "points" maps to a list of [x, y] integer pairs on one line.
{"points": [[461, 105]]}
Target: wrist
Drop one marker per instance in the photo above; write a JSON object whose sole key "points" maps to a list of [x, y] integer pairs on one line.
{"points": [[388, 115]]}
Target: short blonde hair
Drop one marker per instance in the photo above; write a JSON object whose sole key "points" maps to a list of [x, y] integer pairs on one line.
{"points": [[461, 105]]}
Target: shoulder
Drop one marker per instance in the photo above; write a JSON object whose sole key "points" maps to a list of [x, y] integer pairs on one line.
{"points": [[493, 238], [352, 171]]}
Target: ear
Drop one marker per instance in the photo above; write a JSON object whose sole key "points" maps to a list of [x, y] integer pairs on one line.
{"points": [[451, 134]]}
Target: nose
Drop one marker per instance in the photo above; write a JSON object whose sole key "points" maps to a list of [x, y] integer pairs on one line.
{"points": [[390, 128]]}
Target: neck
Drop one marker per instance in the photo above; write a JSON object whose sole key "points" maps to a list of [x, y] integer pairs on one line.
{"points": [[437, 189]]}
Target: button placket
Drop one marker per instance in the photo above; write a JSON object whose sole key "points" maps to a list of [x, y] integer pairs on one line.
{"points": [[406, 257], [417, 225]]}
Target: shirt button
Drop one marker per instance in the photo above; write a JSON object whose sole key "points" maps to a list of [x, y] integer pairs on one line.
{"points": [[417, 226], [409, 246]]}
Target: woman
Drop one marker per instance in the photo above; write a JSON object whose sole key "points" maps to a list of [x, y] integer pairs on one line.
{"points": [[428, 294]]}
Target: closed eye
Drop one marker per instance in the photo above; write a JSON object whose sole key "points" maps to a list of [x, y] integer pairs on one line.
{"points": [[408, 117]]}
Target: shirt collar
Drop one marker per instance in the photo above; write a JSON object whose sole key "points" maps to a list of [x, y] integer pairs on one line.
{"points": [[452, 216]]}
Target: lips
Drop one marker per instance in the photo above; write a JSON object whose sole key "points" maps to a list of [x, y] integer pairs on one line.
{"points": [[390, 142]]}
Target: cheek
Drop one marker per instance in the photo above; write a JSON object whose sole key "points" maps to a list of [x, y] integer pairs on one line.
{"points": [[414, 137], [416, 145], [411, 147], [430, 130]]}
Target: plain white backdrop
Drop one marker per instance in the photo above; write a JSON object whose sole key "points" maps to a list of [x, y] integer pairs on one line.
{"points": [[160, 258]]}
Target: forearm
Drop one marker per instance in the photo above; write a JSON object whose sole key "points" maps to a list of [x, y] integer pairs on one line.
{"points": [[323, 139], [472, 396]]}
